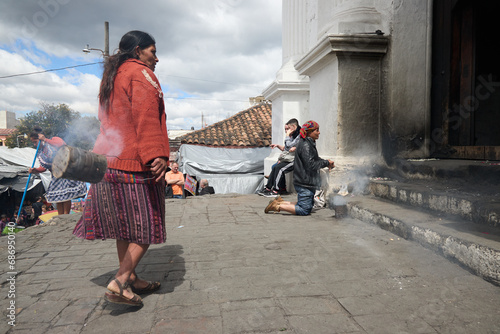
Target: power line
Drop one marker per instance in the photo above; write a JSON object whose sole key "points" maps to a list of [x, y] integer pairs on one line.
{"points": [[166, 97], [195, 98], [74, 66], [50, 70], [221, 82]]}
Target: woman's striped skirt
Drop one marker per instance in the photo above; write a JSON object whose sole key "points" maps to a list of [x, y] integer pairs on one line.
{"points": [[124, 206]]}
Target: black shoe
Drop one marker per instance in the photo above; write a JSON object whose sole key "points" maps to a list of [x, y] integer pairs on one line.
{"points": [[273, 193], [264, 192]]}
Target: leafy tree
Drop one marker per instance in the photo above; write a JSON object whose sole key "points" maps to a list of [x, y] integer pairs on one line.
{"points": [[57, 120]]}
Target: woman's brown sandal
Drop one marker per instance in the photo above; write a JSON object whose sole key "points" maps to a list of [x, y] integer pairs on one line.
{"points": [[119, 298], [151, 287]]}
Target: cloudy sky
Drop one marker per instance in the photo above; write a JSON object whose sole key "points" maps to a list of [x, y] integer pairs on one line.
{"points": [[214, 54]]}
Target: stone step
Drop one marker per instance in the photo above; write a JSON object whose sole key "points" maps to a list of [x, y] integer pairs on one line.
{"points": [[483, 172], [477, 204], [475, 247]]}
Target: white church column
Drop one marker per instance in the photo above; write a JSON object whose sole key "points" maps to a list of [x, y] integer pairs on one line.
{"points": [[289, 93], [344, 69]]}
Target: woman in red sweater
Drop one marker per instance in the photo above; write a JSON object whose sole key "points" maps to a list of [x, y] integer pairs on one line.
{"points": [[129, 203]]}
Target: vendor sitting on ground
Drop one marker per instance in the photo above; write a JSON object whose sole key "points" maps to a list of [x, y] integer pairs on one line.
{"points": [[4, 221], [306, 178], [37, 208], [205, 189]]}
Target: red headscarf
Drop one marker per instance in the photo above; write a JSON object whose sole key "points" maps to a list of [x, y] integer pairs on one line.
{"points": [[308, 128]]}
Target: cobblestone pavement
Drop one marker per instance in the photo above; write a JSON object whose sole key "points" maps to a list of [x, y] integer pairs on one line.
{"points": [[229, 268]]}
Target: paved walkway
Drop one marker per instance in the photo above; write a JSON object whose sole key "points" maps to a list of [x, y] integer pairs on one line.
{"points": [[229, 268]]}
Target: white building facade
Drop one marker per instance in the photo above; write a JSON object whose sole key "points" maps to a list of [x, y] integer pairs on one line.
{"points": [[8, 119], [386, 79]]}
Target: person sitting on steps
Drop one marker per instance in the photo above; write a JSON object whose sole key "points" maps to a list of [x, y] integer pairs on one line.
{"points": [[276, 183]]}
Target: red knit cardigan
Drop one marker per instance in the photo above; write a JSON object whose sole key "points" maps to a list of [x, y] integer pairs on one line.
{"points": [[133, 127]]}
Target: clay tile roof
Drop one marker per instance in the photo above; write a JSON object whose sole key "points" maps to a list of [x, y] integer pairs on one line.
{"points": [[7, 132], [248, 128]]}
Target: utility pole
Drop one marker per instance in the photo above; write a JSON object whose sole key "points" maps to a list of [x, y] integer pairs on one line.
{"points": [[105, 53], [106, 39]]}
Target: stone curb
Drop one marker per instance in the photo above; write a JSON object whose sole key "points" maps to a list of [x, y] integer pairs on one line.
{"points": [[482, 260], [482, 210]]}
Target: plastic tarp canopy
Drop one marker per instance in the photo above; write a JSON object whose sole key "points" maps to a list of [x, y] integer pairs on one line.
{"points": [[14, 164], [228, 170]]}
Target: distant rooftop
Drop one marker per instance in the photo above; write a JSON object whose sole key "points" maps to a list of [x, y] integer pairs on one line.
{"points": [[173, 134], [7, 132], [248, 128]]}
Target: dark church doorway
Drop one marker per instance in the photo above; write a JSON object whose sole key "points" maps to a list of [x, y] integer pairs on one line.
{"points": [[465, 110]]}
